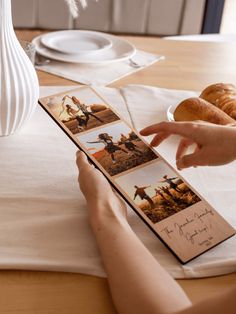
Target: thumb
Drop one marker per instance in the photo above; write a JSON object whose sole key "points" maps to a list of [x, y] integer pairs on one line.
{"points": [[186, 161], [81, 160], [197, 158]]}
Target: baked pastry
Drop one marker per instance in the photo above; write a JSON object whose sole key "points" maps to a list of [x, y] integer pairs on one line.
{"points": [[222, 96], [199, 109], [97, 108]]}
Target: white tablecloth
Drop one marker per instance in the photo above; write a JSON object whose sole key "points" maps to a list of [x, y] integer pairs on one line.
{"points": [[101, 74], [43, 214]]}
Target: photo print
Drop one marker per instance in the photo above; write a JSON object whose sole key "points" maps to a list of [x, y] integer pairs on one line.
{"points": [[81, 110], [117, 148], [152, 188], [157, 191]]}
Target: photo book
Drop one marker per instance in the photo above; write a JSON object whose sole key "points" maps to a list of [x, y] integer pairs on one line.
{"points": [[171, 208]]}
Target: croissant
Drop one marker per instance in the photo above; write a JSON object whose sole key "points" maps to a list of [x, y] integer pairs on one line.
{"points": [[222, 96], [199, 109]]}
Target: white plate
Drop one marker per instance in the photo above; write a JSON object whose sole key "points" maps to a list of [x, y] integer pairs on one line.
{"points": [[170, 112], [120, 50], [76, 41]]}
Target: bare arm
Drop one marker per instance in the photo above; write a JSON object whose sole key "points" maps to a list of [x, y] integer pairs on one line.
{"points": [[137, 281], [69, 113]]}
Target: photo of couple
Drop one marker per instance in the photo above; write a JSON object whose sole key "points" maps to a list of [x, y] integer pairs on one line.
{"points": [[78, 116]]}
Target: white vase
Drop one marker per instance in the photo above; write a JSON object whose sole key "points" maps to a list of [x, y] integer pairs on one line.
{"points": [[19, 87]]}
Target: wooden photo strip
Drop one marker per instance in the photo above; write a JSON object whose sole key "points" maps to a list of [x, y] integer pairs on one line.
{"points": [[172, 209]]}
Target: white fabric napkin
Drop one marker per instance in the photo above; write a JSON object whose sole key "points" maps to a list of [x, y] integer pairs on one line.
{"points": [[44, 223], [100, 74]]}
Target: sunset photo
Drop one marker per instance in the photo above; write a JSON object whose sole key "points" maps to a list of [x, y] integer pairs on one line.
{"points": [[117, 148], [79, 116], [158, 196]]}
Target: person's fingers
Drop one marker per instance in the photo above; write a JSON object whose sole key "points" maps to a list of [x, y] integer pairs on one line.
{"points": [[186, 162], [184, 144], [186, 129], [81, 160], [154, 128], [197, 148], [198, 158], [160, 137]]}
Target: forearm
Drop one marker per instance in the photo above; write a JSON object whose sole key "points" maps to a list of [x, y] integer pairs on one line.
{"points": [[137, 282]]}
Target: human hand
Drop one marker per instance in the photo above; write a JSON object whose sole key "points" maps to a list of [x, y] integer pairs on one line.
{"points": [[102, 202], [215, 144]]}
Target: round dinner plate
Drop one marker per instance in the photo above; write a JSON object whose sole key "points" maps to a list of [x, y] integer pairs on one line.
{"points": [[170, 112], [119, 50], [76, 41]]}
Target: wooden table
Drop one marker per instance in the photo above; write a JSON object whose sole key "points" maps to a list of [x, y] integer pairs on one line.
{"points": [[188, 65]]}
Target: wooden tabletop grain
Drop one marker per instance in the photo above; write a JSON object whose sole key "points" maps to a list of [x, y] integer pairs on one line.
{"points": [[188, 65]]}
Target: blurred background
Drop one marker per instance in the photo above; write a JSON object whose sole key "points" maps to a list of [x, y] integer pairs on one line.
{"points": [[141, 17]]}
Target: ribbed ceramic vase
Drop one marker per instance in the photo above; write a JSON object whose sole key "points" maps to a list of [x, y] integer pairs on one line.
{"points": [[19, 87]]}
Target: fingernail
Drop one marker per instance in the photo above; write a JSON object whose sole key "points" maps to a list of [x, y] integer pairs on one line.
{"points": [[179, 168], [179, 164], [154, 143]]}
